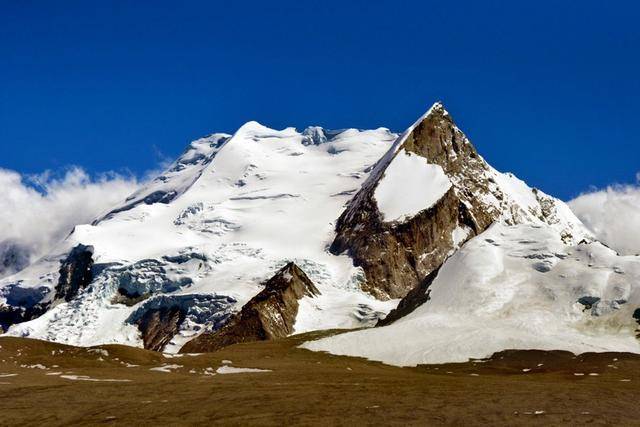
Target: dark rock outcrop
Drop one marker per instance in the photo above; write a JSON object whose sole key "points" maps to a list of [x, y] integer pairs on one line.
{"points": [[75, 272], [269, 315], [414, 299], [397, 255], [159, 325], [27, 303], [588, 301], [11, 315], [159, 318], [636, 317], [123, 296]]}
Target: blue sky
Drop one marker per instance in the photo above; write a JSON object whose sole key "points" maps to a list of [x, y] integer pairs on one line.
{"points": [[548, 90]]}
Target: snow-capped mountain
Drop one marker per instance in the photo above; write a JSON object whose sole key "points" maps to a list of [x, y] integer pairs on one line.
{"points": [[530, 277], [287, 232], [205, 234], [429, 194]]}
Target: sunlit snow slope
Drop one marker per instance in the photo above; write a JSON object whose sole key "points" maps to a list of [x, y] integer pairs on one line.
{"points": [[512, 287], [206, 233], [534, 279]]}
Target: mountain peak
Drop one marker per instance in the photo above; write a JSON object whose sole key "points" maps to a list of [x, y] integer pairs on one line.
{"points": [[314, 135], [438, 107], [436, 110], [253, 130], [429, 194], [252, 126]]}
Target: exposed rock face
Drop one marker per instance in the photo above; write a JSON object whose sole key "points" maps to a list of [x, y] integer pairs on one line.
{"points": [[10, 315], [269, 315], [27, 303], [159, 325], [75, 272], [159, 319], [398, 255], [414, 299]]}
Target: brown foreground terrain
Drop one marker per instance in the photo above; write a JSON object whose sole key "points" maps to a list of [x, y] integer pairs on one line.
{"points": [[44, 383]]}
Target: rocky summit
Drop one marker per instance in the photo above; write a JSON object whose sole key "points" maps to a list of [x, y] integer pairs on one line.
{"points": [[398, 252]]}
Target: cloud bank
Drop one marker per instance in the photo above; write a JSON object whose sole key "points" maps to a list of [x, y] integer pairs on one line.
{"points": [[613, 215], [38, 211]]}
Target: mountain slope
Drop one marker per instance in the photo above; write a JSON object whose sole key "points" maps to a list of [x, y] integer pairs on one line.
{"points": [[512, 287], [201, 238], [180, 176]]}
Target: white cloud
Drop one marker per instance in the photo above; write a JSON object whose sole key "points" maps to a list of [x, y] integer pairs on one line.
{"points": [[38, 211], [613, 215]]}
